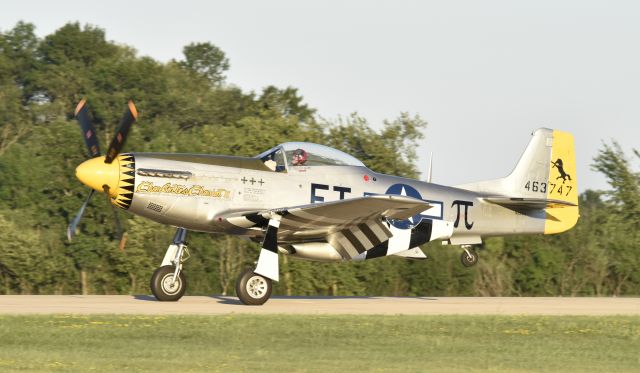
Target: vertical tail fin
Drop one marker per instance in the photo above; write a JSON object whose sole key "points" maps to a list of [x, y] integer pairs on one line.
{"points": [[546, 170]]}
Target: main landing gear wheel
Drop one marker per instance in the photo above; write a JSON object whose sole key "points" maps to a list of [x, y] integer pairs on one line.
{"points": [[253, 289], [164, 288], [469, 257]]}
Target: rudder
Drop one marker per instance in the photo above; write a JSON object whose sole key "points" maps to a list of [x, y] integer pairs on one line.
{"points": [[562, 184]]}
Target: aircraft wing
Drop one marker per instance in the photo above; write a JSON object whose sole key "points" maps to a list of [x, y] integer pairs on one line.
{"points": [[528, 203], [352, 226]]}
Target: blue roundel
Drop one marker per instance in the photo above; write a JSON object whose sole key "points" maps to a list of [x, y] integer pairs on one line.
{"points": [[405, 190]]}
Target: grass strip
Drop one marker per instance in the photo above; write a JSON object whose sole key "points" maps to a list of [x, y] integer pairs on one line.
{"points": [[307, 343]]}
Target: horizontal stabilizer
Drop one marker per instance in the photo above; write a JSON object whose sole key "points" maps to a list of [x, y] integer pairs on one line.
{"points": [[529, 203]]}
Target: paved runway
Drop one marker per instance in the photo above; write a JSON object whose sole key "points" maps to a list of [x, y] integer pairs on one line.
{"points": [[216, 305]]}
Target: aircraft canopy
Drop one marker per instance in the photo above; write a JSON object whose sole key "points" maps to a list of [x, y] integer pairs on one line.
{"points": [[296, 154]]}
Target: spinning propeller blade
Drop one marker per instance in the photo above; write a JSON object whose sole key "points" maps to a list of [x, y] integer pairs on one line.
{"points": [[91, 141], [115, 213], [130, 116], [88, 132], [71, 229]]}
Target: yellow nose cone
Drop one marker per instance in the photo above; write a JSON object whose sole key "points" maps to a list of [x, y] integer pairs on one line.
{"points": [[94, 173]]}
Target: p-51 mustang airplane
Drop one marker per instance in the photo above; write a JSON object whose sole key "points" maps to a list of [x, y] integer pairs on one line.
{"points": [[314, 202]]}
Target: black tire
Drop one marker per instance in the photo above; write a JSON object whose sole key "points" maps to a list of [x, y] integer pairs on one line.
{"points": [[161, 281], [253, 289], [469, 260]]}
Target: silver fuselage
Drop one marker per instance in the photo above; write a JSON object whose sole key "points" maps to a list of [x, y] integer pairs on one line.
{"points": [[197, 192]]}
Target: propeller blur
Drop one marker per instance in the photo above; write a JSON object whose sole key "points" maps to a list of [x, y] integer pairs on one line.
{"points": [[100, 173]]}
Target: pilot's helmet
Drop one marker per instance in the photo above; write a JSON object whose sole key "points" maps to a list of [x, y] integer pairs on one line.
{"points": [[299, 157]]}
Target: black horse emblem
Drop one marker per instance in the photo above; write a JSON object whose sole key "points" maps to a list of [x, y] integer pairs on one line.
{"points": [[563, 175]]}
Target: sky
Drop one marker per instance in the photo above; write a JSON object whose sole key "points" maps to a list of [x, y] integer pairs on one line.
{"points": [[483, 74]]}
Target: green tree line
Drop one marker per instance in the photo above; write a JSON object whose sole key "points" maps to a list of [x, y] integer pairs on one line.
{"points": [[188, 106]]}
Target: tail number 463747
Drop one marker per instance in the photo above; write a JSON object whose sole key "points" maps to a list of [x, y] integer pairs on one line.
{"points": [[537, 186]]}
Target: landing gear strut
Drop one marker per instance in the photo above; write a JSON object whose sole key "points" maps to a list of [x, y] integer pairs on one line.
{"points": [[168, 282], [253, 287], [469, 256]]}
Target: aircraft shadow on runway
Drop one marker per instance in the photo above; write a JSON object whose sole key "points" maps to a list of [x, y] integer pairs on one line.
{"points": [[226, 299]]}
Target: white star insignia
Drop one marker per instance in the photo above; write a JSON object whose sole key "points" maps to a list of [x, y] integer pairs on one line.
{"points": [[404, 193]]}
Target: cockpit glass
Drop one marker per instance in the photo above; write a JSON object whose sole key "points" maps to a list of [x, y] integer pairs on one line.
{"points": [[308, 154], [274, 159], [297, 154]]}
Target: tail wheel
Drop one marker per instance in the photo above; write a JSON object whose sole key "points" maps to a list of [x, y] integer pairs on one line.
{"points": [[163, 286], [469, 258], [253, 289]]}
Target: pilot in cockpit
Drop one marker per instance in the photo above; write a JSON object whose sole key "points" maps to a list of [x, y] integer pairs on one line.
{"points": [[299, 157]]}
